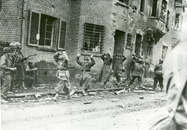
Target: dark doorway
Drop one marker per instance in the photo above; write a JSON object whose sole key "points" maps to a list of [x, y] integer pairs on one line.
{"points": [[138, 44], [119, 42]]}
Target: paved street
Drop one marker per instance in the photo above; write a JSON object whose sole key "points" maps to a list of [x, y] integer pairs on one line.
{"points": [[105, 111]]}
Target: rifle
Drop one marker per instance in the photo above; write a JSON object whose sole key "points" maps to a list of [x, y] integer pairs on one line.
{"points": [[152, 64], [25, 58]]}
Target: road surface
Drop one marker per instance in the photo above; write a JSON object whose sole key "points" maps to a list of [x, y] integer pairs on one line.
{"points": [[104, 111]]}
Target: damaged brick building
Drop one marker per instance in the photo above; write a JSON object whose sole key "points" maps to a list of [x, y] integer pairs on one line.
{"points": [[150, 28]]}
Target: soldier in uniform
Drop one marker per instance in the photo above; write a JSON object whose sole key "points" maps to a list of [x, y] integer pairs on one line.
{"points": [[137, 71], [133, 60], [7, 68], [62, 74], [158, 75], [30, 75], [106, 69], [85, 81], [118, 66], [21, 67]]}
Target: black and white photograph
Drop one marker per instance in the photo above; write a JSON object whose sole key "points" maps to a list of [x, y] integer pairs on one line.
{"points": [[93, 64]]}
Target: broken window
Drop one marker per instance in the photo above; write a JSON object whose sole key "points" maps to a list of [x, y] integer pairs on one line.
{"points": [[93, 38], [154, 8], [177, 16], [44, 31], [142, 5], [164, 51], [129, 41], [163, 10], [125, 1]]}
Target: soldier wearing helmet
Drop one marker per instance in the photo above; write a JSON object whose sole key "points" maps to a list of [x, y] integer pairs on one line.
{"points": [[7, 69], [30, 75], [86, 65], [21, 67], [158, 75], [136, 72], [62, 74], [6, 50]]}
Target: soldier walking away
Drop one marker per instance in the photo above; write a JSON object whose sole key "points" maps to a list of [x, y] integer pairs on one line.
{"points": [[7, 68], [105, 69], [30, 75], [21, 67], [85, 81], [118, 66], [158, 75], [137, 71], [62, 74]]}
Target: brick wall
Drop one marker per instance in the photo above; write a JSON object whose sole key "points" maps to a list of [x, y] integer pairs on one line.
{"points": [[10, 21]]}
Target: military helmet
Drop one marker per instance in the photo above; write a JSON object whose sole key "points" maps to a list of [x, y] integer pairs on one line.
{"points": [[12, 45], [17, 44], [6, 50], [86, 58], [161, 60]]}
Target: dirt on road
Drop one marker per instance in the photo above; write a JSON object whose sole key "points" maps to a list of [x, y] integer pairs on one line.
{"points": [[104, 111]]}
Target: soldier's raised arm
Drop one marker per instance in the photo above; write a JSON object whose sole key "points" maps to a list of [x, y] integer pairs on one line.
{"points": [[92, 60], [78, 60]]}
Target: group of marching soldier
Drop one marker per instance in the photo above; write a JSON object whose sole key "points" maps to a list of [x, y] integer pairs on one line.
{"points": [[17, 71]]}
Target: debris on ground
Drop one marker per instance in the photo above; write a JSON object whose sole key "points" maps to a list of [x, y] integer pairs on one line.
{"points": [[115, 100], [120, 91], [37, 95], [121, 106], [92, 93], [88, 102]]}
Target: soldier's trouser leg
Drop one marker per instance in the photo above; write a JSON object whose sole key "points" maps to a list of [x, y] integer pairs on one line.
{"points": [[118, 78], [161, 83], [66, 87], [21, 77], [7, 79], [155, 83], [132, 80], [139, 81], [87, 83]]}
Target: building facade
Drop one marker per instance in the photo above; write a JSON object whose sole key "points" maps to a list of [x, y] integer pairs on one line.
{"points": [[91, 27]]}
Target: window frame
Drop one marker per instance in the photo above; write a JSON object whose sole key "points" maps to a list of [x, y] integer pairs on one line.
{"points": [[29, 29], [60, 25], [56, 30], [103, 37], [177, 24], [52, 37]]}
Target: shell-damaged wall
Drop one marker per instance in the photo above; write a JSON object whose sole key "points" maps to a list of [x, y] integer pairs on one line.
{"points": [[112, 14]]}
